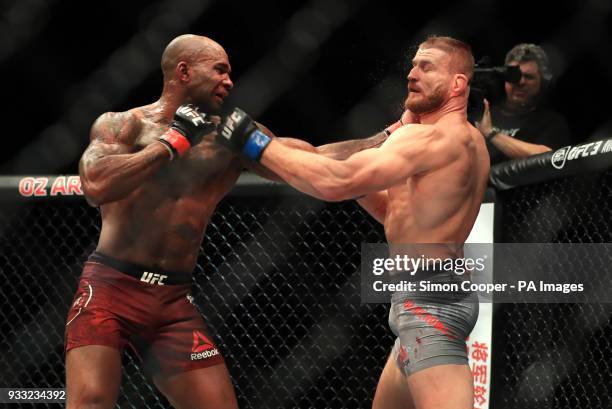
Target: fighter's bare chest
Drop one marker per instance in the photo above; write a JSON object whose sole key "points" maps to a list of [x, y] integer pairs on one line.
{"points": [[205, 166]]}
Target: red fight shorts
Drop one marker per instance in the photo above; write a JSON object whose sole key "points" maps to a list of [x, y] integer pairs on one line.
{"points": [[158, 322]]}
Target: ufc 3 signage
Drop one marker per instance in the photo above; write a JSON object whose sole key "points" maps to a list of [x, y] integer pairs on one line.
{"points": [[153, 278], [230, 123], [193, 114], [568, 153]]}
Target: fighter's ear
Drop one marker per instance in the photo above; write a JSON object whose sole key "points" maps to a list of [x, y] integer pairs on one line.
{"points": [[460, 84], [182, 71]]}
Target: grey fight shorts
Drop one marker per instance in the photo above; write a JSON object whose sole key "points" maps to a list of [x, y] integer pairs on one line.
{"points": [[431, 329]]}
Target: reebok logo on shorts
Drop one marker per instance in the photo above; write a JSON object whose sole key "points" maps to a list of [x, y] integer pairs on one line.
{"points": [[202, 347]]}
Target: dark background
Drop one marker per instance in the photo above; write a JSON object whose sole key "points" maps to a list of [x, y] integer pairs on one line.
{"points": [[321, 70]]}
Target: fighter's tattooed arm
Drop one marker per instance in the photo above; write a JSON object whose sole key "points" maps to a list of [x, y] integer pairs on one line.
{"points": [[108, 169]]}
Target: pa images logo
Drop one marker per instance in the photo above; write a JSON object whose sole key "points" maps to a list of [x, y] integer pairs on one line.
{"points": [[559, 157]]}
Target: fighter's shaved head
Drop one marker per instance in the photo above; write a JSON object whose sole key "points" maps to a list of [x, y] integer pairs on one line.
{"points": [[462, 60], [189, 48]]}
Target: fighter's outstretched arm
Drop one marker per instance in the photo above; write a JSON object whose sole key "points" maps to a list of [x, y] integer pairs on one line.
{"points": [[337, 150], [411, 150], [344, 149], [375, 203]]}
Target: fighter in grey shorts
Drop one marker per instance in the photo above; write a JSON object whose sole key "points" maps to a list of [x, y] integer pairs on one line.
{"points": [[431, 329], [425, 185]]}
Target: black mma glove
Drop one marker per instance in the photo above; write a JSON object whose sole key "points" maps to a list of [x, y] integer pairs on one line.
{"points": [[240, 134], [187, 129]]}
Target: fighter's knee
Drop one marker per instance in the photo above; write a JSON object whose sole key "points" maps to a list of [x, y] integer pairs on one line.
{"points": [[90, 397]]}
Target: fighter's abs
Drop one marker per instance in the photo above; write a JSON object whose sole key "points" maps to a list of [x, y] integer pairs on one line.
{"points": [[164, 220]]}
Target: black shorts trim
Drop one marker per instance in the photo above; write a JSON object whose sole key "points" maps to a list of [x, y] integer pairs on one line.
{"points": [[142, 273]]}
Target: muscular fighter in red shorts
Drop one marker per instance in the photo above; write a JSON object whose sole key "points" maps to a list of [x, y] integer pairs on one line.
{"points": [[157, 176]]}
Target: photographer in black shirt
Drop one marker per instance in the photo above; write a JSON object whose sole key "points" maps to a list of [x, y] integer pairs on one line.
{"points": [[521, 126]]}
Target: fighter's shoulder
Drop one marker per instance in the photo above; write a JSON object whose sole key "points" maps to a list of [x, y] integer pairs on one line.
{"points": [[114, 127], [413, 136], [460, 133], [413, 130]]}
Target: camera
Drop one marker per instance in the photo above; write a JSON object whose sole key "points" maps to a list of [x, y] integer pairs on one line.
{"points": [[488, 82]]}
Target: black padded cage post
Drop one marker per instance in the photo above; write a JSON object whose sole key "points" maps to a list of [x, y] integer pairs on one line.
{"points": [[554, 355]]}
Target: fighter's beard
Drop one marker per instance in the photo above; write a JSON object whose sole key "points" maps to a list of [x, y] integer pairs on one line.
{"points": [[426, 104]]}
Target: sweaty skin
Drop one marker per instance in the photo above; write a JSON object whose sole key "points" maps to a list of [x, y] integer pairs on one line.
{"points": [[429, 180], [425, 183], [157, 215], [439, 205], [160, 221], [155, 212]]}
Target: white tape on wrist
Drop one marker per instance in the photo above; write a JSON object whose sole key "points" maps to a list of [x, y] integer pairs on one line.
{"points": [[169, 149]]}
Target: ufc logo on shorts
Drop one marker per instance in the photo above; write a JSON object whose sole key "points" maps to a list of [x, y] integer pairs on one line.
{"points": [[230, 124], [153, 278]]}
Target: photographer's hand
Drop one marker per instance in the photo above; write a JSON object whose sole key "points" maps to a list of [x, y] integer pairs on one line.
{"points": [[511, 147], [485, 125]]}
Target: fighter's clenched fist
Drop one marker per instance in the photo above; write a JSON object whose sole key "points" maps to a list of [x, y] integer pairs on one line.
{"points": [[187, 129], [238, 132]]}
